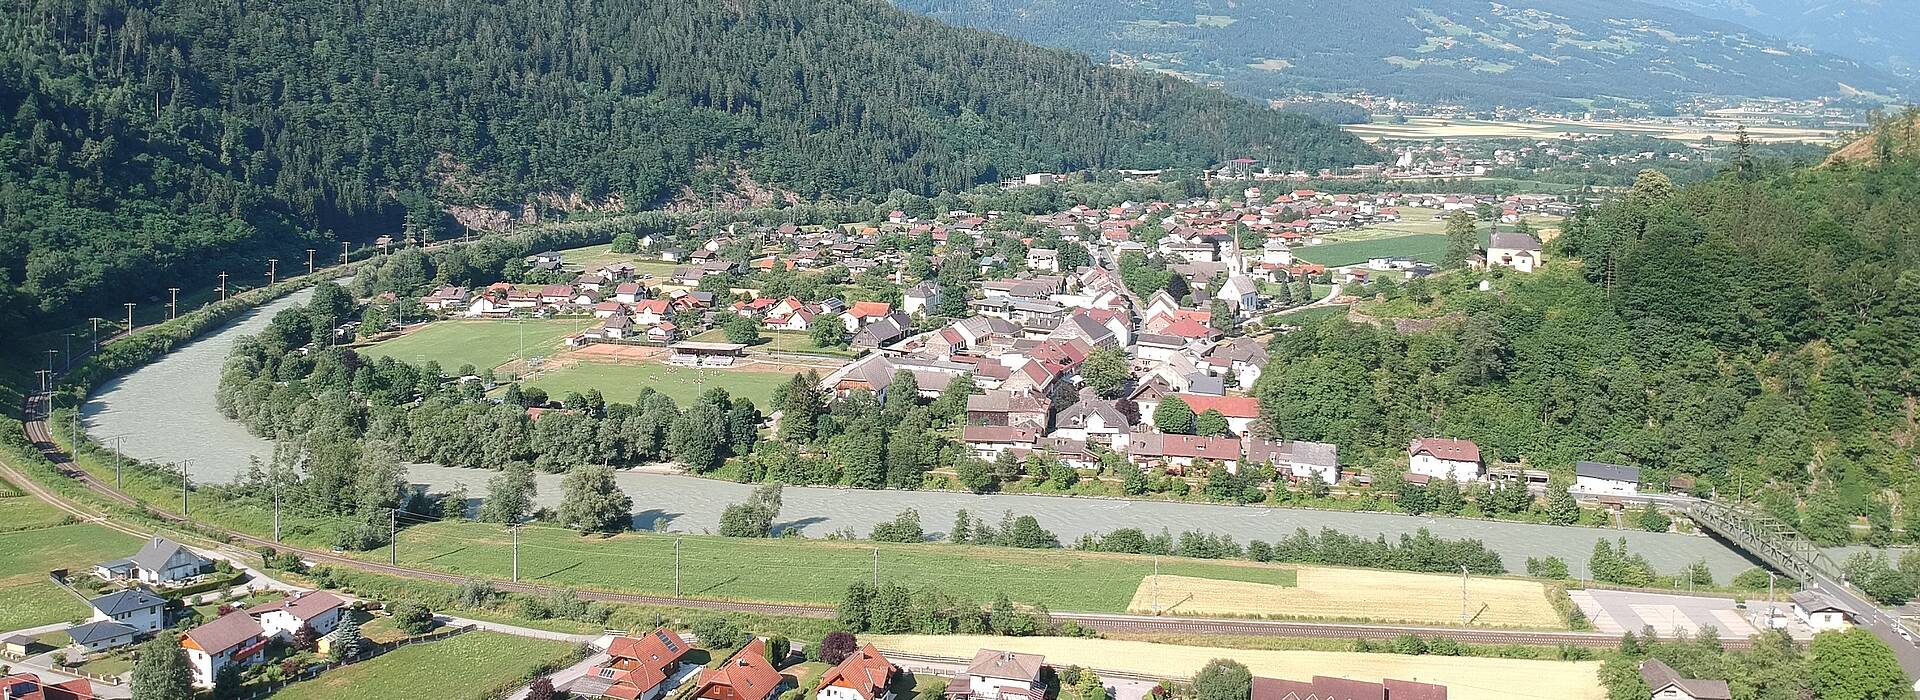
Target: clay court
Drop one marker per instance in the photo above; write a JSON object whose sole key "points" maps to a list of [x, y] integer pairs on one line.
{"points": [[1326, 593]]}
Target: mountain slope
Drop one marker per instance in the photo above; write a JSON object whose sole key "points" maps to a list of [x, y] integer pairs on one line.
{"points": [[1474, 51], [171, 136], [1879, 33]]}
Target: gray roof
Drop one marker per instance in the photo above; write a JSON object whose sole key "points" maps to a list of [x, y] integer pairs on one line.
{"points": [[1815, 601], [1514, 241], [153, 555], [1610, 472], [98, 631], [1006, 664], [125, 601], [1658, 675], [1200, 383]]}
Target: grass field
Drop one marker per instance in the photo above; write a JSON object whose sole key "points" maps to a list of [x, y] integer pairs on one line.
{"points": [[1382, 596], [1426, 128], [22, 512], [26, 598], [593, 257], [483, 344], [465, 666], [622, 382], [1466, 678], [803, 571], [1428, 247]]}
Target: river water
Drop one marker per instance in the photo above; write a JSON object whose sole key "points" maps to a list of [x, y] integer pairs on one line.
{"points": [[166, 413]]}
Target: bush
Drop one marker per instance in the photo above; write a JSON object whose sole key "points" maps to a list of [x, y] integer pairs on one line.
{"points": [[413, 617], [837, 646], [718, 632]]}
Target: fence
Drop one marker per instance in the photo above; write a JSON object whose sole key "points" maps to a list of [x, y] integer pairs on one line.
{"points": [[308, 673], [899, 657]]}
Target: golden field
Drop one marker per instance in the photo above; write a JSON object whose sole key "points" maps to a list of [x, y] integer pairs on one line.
{"points": [[1357, 594], [1466, 677]]}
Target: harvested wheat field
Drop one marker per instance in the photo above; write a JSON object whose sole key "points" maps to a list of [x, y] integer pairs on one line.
{"points": [[1466, 677], [1325, 593]]}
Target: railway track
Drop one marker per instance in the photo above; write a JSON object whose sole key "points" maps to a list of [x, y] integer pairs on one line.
{"points": [[38, 408]]}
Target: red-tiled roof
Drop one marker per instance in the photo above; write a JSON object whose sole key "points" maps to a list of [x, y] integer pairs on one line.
{"points": [[1446, 448], [1229, 406], [27, 686], [996, 433], [866, 673], [643, 663], [746, 676], [224, 632], [870, 309]]}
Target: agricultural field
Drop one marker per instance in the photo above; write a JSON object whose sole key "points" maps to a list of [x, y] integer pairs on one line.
{"points": [[482, 343], [622, 382], [1327, 593], [1426, 247], [27, 599], [475, 663], [594, 257], [804, 571], [19, 511], [1466, 678], [1427, 128]]}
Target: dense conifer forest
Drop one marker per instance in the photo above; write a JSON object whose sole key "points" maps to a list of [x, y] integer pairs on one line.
{"points": [[154, 135]]}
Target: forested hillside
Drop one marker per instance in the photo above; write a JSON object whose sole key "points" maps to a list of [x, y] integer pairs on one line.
{"points": [[176, 138], [1560, 54], [1759, 331]]}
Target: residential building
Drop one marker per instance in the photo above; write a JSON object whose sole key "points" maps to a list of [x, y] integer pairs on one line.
{"points": [[1668, 685], [1329, 688], [317, 609], [28, 686], [922, 299], [231, 639], [1820, 611], [988, 441], [160, 562], [1240, 411], [1000, 674], [1000, 407], [1178, 453], [1297, 459], [1241, 294], [746, 676], [864, 675], [1600, 477], [133, 607], [865, 312], [1090, 419], [101, 635], [1444, 458], [644, 667]]}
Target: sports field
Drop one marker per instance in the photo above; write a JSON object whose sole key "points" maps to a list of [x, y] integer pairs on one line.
{"points": [[622, 382], [1466, 677], [1382, 596], [27, 599], [803, 571], [482, 343], [594, 257], [467, 666]]}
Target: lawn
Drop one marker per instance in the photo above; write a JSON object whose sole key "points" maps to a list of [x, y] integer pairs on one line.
{"points": [[795, 341], [803, 571], [1429, 247], [1378, 596], [622, 382], [594, 257], [77, 547], [27, 513], [481, 343], [1466, 678], [28, 600], [466, 666]]}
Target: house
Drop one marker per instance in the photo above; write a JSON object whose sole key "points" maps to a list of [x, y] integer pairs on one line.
{"points": [[1177, 453], [317, 609], [881, 332], [231, 639], [133, 607], [988, 441], [921, 299], [18, 645], [617, 327], [642, 668], [1444, 458], [1091, 419], [1600, 477], [648, 312], [1821, 612], [746, 676], [864, 675], [445, 298], [627, 292], [1299, 459], [1000, 674], [1241, 294], [555, 294], [1329, 688], [1004, 408], [101, 635], [1043, 260], [27, 686], [865, 312], [1668, 685], [159, 562], [1244, 359], [665, 332], [1516, 250], [1240, 411]]}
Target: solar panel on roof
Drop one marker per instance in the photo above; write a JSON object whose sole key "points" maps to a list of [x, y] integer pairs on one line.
{"points": [[668, 641]]}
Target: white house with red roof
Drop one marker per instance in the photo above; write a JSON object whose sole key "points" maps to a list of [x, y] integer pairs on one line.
{"points": [[231, 639], [1445, 458], [994, 675], [864, 675], [28, 686], [865, 312], [746, 676], [317, 609]]}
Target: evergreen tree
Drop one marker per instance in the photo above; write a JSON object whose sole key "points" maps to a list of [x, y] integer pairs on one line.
{"points": [[1463, 240], [1562, 509], [347, 642]]}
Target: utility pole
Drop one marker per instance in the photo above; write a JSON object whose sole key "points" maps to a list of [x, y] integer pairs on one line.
{"points": [[1463, 594], [95, 320], [184, 465], [173, 303], [309, 261], [343, 252], [273, 269], [676, 567], [50, 353], [69, 351], [129, 318], [1156, 584], [393, 535], [117, 460], [876, 568], [516, 554], [46, 380], [223, 286], [276, 512]]}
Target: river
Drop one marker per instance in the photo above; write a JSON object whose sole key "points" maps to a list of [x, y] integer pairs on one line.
{"points": [[166, 413]]}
